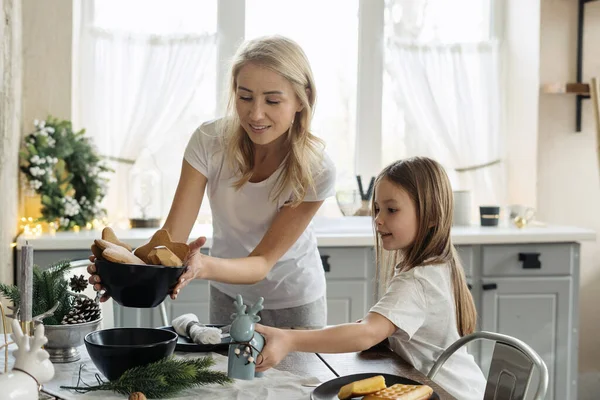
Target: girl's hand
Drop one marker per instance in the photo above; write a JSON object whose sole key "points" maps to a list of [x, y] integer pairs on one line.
{"points": [[195, 266], [277, 346], [94, 279]]}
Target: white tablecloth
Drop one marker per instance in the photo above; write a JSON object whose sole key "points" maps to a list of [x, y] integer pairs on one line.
{"points": [[275, 385]]}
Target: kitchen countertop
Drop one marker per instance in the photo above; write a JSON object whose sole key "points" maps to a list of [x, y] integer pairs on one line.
{"points": [[330, 232]]}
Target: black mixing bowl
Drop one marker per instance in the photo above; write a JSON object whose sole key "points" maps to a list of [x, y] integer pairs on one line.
{"points": [[113, 351], [139, 286]]}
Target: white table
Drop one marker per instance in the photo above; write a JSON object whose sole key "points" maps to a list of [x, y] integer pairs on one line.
{"points": [[275, 385]]}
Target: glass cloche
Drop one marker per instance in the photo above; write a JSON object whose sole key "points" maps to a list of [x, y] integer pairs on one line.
{"points": [[145, 192]]}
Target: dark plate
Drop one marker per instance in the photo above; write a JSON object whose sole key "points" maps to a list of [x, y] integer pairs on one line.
{"points": [[184, 343], [330, 389]]}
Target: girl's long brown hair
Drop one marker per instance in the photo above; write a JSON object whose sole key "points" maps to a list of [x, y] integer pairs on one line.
{"points": [[428, 186]]}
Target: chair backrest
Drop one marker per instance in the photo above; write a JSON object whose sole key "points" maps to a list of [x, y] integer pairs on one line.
{"points": [[510, 369], [79, 267], [510, 373]]}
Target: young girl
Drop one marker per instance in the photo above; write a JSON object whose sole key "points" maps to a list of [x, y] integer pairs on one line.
{"points": [[427, 305], [266, 175]]}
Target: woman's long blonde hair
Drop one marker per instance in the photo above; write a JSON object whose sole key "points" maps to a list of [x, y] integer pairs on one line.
{"points": [[304, 159], [428, 186]]}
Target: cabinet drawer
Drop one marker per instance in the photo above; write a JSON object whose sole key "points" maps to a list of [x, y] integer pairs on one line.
{"points": [[465, 253], [348, 262], [528, 259]]}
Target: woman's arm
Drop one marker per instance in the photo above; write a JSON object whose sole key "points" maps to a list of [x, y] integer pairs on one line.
{"points": [[186, 203], [345, 338], [286, 228]]}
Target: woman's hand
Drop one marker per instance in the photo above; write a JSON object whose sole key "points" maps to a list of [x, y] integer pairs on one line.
{"points": [[195, 266], [277, 346], [94, 279]]}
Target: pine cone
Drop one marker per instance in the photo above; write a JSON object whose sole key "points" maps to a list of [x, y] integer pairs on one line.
{"points": [[83, 310], [137, 396], [78, 283]]}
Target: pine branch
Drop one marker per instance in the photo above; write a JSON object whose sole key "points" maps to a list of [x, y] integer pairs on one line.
{"points": [[58, 269], [49, 287], [161, 379], [11, 293]]}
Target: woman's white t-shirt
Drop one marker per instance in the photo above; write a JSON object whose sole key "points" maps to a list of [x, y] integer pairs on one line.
{"points": [[420, 302], [241, 217]]}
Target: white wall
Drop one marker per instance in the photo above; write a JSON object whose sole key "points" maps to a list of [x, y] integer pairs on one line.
{"points": [[47, 59], [568, 179], [10, 120], [521, 33]]}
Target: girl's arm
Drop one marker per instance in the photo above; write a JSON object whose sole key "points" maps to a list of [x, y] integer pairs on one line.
{"points": [[345, 338], [186, 203]]}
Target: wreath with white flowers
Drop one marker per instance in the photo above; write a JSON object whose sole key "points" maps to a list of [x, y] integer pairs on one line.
{"points": [[64, 168]]}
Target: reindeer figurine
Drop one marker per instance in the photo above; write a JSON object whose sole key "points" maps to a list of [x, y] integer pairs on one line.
{"points": [[32, 366], [246, 345]]}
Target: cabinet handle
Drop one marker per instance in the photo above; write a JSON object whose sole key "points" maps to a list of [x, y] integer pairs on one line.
{"points": [[489, 286], [325, 261], [530, 260]]}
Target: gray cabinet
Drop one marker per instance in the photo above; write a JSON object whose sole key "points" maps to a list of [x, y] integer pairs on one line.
{"points": [[346, 302], [535, 310], [530, 291], [350, 273]]}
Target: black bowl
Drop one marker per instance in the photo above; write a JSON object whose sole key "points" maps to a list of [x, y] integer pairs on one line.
{"points": [[139, 286], [114, 351]]}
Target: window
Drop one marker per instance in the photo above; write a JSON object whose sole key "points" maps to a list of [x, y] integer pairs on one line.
{"points": [[432, 21], [146, 78], [359, 112], [333, 55], [441, 91], [155, 17]]}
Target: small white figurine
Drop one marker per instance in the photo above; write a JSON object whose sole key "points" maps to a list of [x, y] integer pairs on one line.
{"points": [[32, 366]]}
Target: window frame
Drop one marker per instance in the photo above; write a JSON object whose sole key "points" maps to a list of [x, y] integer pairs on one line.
{"points": [[369, 101], [231, 15]]}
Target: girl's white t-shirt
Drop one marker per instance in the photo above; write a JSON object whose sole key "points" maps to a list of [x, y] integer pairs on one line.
{"points": [[241, 217], [420, 303]]}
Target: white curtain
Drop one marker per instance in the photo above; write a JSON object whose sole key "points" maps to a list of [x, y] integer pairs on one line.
{"points": [[140, 91], [450, 97]]}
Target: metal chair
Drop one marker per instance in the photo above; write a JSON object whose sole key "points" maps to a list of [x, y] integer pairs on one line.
{"points": [[510, 369], [79, 267]]}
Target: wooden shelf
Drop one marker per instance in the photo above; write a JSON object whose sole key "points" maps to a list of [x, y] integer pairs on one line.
{"points": [[566, 88]]}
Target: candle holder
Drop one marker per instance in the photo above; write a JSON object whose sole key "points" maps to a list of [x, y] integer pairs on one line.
{"points": [[489, 215]]}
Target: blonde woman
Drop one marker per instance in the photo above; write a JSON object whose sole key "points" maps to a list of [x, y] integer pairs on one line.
{"points": [[427, 305], [266, 175]]}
